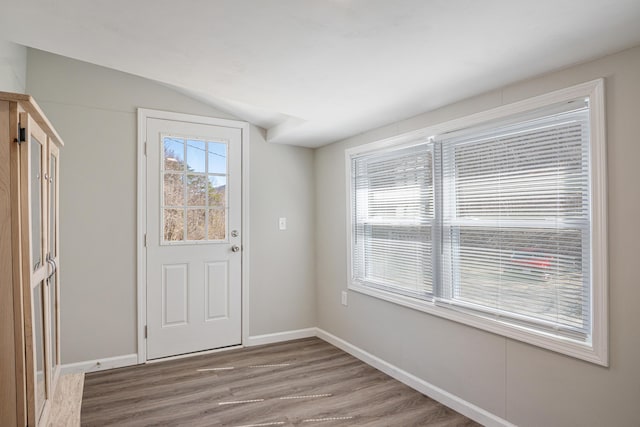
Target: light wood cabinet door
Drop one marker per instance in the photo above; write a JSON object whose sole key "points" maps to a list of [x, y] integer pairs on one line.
{"points": [[29, 261], [40, 171]]}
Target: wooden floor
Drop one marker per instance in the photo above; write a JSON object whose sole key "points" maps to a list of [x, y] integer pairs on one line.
{"points": [[67, 400], [299, 383]]}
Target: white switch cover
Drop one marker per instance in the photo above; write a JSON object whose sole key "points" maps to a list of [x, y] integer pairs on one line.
{"points": [[282, 223], [344, 297]]}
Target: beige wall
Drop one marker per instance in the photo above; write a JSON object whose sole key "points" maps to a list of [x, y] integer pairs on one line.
{"points": [[13, 67], [94, 110], [526, 385]]}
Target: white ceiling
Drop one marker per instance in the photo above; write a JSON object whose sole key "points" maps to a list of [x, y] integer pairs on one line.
{"points": [[315, 71]]}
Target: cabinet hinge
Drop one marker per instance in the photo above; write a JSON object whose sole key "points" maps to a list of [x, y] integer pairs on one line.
{"points": [[145, 148], [145, 331], [145, 240], [22, 134]]}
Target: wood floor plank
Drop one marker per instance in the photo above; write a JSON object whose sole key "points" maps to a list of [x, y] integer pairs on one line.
{"points": [[298, 383]]}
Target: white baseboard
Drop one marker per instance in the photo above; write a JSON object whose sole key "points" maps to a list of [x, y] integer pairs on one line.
{"points": [[132, 359], [100, 364], [280, 337], [467, 409]]}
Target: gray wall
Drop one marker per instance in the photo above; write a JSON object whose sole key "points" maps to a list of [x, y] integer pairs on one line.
{"points": [[94, 110], [13, 67], [524, 384]]}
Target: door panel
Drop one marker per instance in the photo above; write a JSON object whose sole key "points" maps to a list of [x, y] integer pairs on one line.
{"points": [[193, 204], [217, 285], [174, 295]]}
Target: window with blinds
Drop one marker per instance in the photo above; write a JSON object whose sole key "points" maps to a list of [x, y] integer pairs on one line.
{"points": [[393, 216], [516, 227], [498, 223]]}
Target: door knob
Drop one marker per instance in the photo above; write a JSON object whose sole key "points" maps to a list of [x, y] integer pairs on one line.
{"points": [[235, 248]]}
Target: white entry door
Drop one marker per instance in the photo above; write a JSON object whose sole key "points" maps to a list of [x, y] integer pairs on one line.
{"points": [[193, 237]]}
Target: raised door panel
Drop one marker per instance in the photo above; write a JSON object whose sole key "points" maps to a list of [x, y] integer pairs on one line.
{"points": [[175, 295], [216, 290]]}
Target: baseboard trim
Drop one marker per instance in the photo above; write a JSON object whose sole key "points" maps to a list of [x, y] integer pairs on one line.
{"points": [[100, 364], [280, 337], [454, 402]]}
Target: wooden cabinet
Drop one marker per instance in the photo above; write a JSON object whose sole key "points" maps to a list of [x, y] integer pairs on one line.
{"points": [[29, 262]]}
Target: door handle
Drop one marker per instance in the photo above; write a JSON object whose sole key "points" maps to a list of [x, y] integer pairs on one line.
{"points": [[53, 266], [235, 248]]}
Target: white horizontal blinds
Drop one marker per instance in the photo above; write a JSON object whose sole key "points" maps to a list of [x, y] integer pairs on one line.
{"points": [[516, 224], [393, 211]]}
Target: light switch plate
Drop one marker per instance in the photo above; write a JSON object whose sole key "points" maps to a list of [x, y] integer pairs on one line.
{"points": [[282, 223], [344, 297]]}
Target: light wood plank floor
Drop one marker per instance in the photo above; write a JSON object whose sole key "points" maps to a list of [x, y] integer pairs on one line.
{"points": [[298, 383], [67, 400]]}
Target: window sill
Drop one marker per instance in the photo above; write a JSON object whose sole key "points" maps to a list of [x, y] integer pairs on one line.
{"points": [[590, 352]]}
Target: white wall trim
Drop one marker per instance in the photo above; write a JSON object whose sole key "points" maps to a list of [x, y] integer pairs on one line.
{"points": [[280, 337], [246, 247], [100, 364], [454, 402], [143, 115]]}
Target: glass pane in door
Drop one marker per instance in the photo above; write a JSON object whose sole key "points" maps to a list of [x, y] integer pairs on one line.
{"points": [[53, 301], [36, 204], [39, 343], [53, 201], [194, 190], [53, 324]]}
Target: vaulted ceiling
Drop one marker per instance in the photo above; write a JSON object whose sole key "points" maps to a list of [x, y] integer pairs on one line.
{"points": [[315, 71]]}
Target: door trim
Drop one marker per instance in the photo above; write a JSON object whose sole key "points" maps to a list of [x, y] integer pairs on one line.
{"points": [[143, 115]]}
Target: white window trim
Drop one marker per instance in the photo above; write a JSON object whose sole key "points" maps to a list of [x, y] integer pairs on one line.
{"points": [[595, 352]]}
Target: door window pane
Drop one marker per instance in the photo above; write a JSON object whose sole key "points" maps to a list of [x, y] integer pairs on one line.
{"points": [[196, 156], [173, 154], [173, 224], [196, 224], [217, 191], [197, 186], [217, 224], [173, 189], [217, 152], [36, 204]]}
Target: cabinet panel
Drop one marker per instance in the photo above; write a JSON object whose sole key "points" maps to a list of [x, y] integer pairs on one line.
{"points": [[8, 341], [39, 348], [35, 176], [29, 260]]}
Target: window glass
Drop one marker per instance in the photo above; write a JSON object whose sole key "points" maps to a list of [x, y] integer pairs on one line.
{"points": [[194, 189], [36, 203], [393, 216], [490, 224], [516, 222]]}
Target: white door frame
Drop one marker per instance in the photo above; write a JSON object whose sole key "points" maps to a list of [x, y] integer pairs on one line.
{"points": [[143, 115]]}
